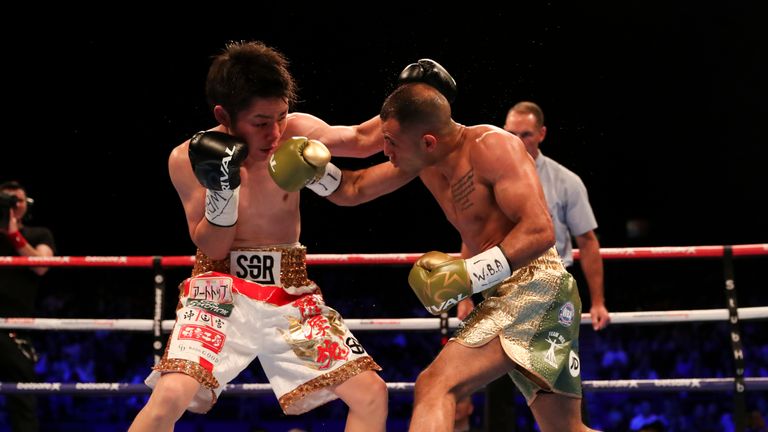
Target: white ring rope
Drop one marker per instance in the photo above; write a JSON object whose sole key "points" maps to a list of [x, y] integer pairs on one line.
{"points": [[650, 317]]}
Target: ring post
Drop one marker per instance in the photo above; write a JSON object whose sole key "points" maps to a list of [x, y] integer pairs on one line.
{"points": [[739, 403], [157, 318]]}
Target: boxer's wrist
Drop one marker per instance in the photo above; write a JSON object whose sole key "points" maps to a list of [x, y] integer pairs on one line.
{"points": [[328, 183], [17, 240], [488, 268], [221, 206]]}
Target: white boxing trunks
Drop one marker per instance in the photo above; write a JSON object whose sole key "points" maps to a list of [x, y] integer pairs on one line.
{"points": [[260, 304]]}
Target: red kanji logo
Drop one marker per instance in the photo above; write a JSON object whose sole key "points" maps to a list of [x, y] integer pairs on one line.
{"points": [[308, 306], [329, 352], [316, 326]]}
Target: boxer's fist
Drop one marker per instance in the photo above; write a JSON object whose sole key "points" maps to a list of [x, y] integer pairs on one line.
{"points": [[216, 158], [300, 162], [430, 72], [440, 281]]}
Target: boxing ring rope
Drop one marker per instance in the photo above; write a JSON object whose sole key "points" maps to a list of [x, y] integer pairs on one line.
{"points": [[655, 385], [732, 313], [665, 252], [143, 325]]}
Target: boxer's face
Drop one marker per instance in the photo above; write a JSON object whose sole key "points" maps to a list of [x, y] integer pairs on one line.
{"points": [[403, 147], [261, 125]]}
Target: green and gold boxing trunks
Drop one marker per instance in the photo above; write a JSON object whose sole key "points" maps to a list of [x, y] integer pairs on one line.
{"points": [[536, 314]]}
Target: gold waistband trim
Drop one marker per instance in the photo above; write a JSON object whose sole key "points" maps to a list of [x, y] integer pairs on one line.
{"points": [[293, 263]]}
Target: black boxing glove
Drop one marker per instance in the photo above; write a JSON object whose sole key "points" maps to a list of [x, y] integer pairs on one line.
{"points": [[216, 158], [430, 72]]}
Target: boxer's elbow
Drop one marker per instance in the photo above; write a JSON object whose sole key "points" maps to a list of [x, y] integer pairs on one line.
{"points": [[544, 233], [549, 239], [213, 246]]}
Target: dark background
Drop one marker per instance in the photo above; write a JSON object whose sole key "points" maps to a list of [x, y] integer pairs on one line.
{"points": [[658, 108]]}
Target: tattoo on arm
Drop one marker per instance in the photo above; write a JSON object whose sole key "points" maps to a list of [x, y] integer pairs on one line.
{"points": [[462, 190]]}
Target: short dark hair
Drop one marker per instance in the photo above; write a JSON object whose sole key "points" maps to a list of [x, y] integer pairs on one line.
{"points": [[417, 104], [12, 186], [248, 70]]}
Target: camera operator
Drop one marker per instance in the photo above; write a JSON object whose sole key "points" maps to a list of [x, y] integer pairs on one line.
{"points": [[18, 292]]}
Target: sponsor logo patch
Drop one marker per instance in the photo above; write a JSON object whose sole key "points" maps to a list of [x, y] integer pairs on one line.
{"points": [[567, 312], [189, 315], [257, 266], [210, 339], [556, 340], [217, 289], [574, 364], [220, 309], [354, 345]]}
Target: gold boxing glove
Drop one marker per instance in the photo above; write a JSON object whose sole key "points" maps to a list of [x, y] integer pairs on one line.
{"points": [[440, 281], [300, 162]]}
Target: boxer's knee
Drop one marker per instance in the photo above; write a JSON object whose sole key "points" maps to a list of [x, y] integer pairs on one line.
{"points": [[172, 395], [435, 382], [365, 393]]}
